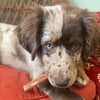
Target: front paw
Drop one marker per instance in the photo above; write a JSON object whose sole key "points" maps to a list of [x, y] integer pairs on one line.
{"points": [[81, 82], [82, 79]]}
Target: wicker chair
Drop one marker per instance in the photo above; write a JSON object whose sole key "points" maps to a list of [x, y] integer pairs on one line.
{"points": [[14, 11]]}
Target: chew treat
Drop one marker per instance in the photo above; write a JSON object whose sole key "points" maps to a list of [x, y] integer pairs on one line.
{"points": [[34, 82]]}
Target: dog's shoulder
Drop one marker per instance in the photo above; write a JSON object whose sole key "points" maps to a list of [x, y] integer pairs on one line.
{"points": [[6, 28], [6, 34], [10, 51]]}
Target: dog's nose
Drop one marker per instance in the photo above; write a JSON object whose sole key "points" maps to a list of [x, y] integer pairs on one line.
{"points": [[61, 82]]}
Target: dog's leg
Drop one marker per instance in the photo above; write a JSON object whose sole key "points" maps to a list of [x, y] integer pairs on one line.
{"points": [[59, 93], [82, 79]]}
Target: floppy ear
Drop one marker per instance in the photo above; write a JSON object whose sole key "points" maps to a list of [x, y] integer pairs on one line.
{"points": [[29, 31], [91, 30]]}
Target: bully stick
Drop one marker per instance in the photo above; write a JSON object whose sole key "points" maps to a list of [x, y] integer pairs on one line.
{"points": [[35, 82]]}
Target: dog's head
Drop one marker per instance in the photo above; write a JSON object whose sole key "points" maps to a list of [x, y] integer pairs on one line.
{"points": [[61, 36]]}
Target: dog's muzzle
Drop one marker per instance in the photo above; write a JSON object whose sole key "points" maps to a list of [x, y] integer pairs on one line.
{"points": [[61, 82], [62, 78]]}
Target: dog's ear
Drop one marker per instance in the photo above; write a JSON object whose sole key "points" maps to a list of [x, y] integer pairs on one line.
{"points": [[91, 30], [29, 31]]}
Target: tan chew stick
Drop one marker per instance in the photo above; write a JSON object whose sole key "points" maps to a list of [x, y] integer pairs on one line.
{"points": [[34, 82]]}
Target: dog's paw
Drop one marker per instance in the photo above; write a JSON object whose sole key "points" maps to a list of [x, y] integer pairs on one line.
{"points": [[81, 82], [82, 79]]}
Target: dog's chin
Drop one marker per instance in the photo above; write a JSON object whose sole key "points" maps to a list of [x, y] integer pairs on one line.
{"points": [[60, 85]]}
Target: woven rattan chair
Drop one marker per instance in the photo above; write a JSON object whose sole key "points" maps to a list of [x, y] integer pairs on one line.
{"points": [[14, 11]]}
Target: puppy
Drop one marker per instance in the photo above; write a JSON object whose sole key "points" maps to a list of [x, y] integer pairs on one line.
{"points": [[54, 40]]}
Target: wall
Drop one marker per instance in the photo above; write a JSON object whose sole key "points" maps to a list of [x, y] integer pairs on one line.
{"points": [[91, 5]]}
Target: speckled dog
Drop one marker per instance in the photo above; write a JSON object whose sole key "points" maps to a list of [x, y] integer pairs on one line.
{"points": [[54, 40]]}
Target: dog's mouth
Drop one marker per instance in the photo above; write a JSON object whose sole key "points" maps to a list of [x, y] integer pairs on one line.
{"points": [[61, 82], [61, 79]]}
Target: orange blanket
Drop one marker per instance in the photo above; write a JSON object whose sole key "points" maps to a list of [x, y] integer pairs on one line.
{"points": [[12, 81]]}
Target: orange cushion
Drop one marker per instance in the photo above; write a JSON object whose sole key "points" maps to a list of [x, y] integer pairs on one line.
{"points": [[88, 92], [12, 81]]}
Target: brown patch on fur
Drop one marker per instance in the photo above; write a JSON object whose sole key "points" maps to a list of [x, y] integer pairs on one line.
{"points": [[71, 40], [29, 31], [81, 73], [53, 37], [87, 22], [91, 30]]}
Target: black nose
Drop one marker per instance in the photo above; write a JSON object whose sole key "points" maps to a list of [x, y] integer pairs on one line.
{"points": [[61, 82]]}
